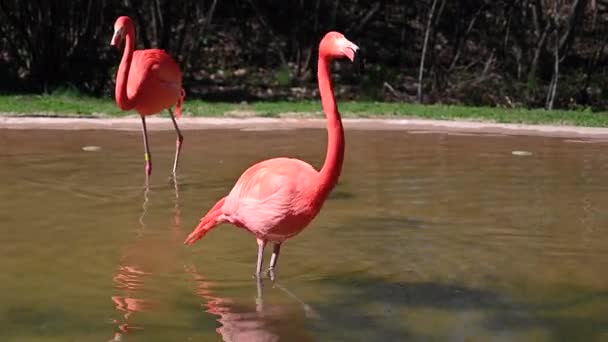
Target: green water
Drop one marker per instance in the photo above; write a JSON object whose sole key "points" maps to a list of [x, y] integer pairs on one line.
{"points": [[428, 237]]}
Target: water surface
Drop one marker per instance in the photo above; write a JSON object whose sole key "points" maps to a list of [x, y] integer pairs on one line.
{"points": [[428, 236]]}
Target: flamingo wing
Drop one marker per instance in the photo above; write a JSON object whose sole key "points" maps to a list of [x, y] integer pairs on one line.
{"points": [[270, 194], [153, 65]]}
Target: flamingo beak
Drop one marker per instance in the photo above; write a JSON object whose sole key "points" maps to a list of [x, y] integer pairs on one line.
{"points": [[349, 49], [117, 38]]}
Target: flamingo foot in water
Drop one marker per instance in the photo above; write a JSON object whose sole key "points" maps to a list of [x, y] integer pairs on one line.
{"points": [[271, 274]]}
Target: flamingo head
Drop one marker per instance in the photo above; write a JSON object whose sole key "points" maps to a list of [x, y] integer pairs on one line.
{"points": [[334, 45], [122, 26]]}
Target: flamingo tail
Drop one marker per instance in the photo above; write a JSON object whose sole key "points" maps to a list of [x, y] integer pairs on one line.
{"points": [[209, 221], [178, 105]]}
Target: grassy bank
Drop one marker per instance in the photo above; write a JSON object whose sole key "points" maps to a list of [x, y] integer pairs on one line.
{"points": [[73, 105]]}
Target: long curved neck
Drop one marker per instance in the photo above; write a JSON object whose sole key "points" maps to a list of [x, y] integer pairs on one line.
{"points": [[122, 77], [335, 134]]}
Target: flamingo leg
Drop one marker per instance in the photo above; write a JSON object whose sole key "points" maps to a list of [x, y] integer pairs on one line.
{"points": [[178, 142], [147, 155], [259, 299], [258, 269], [275, 256], [273, 260]]}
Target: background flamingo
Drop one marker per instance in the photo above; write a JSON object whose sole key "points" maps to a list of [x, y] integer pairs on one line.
{"points": [[277, 198], [149, 81]]}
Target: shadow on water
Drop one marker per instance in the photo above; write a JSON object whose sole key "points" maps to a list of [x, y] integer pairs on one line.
{"points": [[33, 320], [341, 195], [347, 314], [380, 222]]}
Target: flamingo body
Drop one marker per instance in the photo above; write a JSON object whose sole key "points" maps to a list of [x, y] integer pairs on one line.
{"points": [[277, 198], [155, 81], [274, 199]]}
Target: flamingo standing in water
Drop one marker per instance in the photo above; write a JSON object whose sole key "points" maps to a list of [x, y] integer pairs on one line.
{"points": [[149, 81], [277, 198]]}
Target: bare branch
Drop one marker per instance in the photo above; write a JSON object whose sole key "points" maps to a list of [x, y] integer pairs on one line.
{"points": [[424, 47]]}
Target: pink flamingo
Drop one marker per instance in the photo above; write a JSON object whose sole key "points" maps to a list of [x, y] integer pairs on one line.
{"points": [[277, 198], [149, 81]]}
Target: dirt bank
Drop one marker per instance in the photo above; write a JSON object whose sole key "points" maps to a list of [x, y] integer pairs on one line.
{"points": [[414, 125]]}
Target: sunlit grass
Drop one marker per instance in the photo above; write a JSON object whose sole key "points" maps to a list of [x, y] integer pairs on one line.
{"points": [[67, 103], [57, 105]]}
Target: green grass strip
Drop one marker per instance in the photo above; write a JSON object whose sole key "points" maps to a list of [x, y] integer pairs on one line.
{"points": [[67, 104]]}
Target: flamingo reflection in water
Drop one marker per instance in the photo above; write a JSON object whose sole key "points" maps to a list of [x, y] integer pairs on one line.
{"points": [[243, 322], [137, 264]]}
